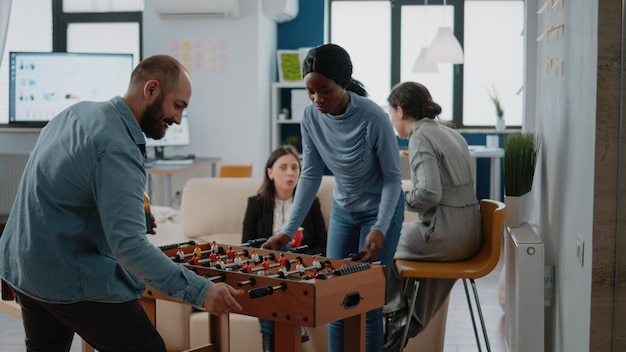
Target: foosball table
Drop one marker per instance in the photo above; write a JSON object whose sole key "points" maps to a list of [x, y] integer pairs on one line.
{"points": [[290, 288]]}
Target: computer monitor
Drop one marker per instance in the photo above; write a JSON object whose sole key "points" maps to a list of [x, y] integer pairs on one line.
{"points": [[176, 136], [42, 84]]}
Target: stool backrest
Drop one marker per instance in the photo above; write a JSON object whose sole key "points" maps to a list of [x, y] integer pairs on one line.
{"points": [[492, 213]]}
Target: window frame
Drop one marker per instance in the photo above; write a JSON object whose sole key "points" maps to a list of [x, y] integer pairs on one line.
{"points": [[61, 21]]}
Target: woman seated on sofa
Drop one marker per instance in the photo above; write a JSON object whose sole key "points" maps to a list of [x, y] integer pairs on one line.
{"points": [[268, 210]]}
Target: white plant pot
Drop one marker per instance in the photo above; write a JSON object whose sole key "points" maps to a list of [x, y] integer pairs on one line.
{"points": [[517, 210], [500, 124]]}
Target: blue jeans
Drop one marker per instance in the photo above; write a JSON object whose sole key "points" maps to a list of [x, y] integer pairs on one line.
{"points": [[346, 235], [267, 326]]}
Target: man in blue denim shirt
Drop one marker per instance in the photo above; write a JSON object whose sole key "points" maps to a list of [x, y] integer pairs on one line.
{"points": [[74, 248]]}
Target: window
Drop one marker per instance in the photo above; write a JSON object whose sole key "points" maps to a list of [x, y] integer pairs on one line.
{"points": [[490, 32], [98, 26], [71, 25]]}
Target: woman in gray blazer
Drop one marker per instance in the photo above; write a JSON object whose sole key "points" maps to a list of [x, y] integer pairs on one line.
{"points": [[442, 175]]}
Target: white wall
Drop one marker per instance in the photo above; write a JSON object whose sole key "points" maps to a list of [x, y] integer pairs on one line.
{"points": [[229, 109], [563, 115]]}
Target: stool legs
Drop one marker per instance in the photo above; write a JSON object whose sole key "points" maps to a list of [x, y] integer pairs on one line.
{"points": [[405, 335], [480, 314]]}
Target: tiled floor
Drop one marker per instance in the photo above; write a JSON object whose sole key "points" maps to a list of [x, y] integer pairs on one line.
{"points": [[459, 333], [12, 335]]}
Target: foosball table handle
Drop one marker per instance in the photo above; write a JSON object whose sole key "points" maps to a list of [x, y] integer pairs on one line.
{"points": [[266, 290]]}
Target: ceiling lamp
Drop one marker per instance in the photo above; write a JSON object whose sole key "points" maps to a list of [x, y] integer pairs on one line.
{"points": [[445, 48], [422, 66]]}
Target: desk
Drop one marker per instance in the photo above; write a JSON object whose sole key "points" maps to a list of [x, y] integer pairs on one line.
{"points": [[476, 151], [170, 169], [495, 154]]}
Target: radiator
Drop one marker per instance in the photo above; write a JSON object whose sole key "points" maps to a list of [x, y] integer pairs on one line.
{"points": [[11, 168], [524, 309]]}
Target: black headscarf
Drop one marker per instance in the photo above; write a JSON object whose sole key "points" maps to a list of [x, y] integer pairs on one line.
{"points": [[330, 60]]}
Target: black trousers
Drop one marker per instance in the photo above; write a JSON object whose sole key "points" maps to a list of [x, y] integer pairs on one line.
{"points": [[105, 326]]}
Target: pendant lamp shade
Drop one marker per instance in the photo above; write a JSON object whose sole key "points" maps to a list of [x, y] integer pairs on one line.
{"points": [[445, 48], [423, 66]]}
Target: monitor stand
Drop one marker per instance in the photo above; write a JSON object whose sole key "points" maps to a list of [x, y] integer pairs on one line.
{"points": [[158, 153]]}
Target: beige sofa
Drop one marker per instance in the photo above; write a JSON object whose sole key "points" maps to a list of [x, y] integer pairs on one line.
{"points": [[212, 209]]}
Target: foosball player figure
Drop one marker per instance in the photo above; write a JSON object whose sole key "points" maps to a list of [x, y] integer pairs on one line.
{"points": [[283, 270], [247, 268], [219, 264], [198, 251], [237, 260], [230, 254], [300, 267], [282, 260], [308, 276], [266, 267], [215, 247], [255, 257], [316, 264], [180, 255], [194, 259], [213, 256]]}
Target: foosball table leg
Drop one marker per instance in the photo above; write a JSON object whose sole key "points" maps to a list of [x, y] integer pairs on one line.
{"points": [[287, 337], [149, 306], [354, 327], [219, 332]]}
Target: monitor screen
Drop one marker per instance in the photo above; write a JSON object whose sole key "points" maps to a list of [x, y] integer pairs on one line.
{"points": [[176, 135], [42, 84]]}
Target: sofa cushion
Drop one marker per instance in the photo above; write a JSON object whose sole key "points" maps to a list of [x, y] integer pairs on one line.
{"points": [[216, 205]]}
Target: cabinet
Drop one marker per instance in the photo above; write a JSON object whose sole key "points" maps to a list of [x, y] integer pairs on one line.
{"points": [[290, 96]]}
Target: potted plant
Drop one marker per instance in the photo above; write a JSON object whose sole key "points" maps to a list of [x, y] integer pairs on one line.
{"points": [[519, 162], [295, 142], [493, 95]]}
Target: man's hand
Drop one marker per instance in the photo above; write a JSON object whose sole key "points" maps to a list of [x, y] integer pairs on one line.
{"points": [[373, 245], [277, 242], [221, 299]]}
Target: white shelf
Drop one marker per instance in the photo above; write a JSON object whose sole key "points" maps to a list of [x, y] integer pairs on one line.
{"points": [[288, 122], [275, 106], [299, 84]]}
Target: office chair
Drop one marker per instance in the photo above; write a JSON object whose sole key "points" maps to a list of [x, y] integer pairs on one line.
{"points": [[243, 170], [481, 264]]}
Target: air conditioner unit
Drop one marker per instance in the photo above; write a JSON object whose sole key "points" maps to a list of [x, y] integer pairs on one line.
{"points": [[280, 10], [197, 8]]}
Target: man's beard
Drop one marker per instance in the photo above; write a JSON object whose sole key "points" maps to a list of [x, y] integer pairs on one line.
{"points": [[152, 119]]}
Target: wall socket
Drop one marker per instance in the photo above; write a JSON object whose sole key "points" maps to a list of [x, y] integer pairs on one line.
{"points": [[580, 250]]}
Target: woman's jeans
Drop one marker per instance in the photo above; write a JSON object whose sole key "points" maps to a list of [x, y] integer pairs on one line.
{"points": [[346, 235], [267, 326]]}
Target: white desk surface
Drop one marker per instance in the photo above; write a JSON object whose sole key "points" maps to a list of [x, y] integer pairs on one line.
{"points": [[176, 167]]}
